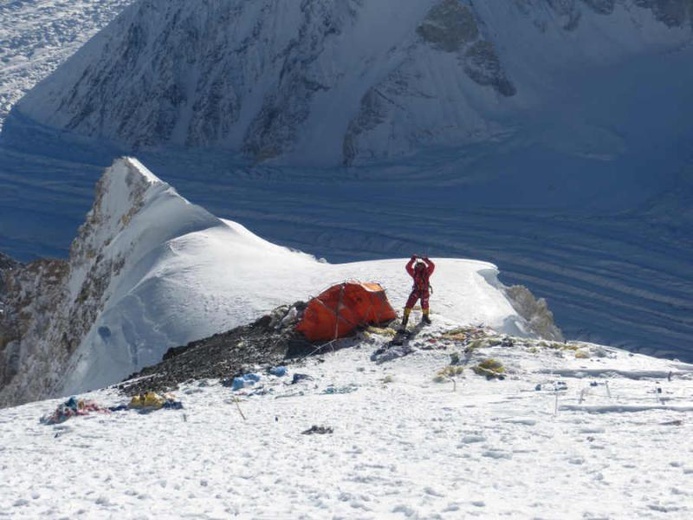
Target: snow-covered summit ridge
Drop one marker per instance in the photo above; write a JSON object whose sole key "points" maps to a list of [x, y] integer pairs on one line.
{"points": [[53, 304], [328, 82], [149, 271], [133, 211]]}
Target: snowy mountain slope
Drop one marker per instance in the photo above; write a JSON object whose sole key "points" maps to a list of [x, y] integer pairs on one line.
{"points": [[583, 200], [557, 432], [149, 271], [36, 36], [327, 83]]}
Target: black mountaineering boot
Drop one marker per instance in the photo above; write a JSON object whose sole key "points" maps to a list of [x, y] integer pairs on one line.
{"points": [[403, 326]]}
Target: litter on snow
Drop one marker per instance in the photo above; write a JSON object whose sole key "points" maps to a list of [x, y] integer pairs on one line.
{"points": [[153, 401], [318, 429], [340, 390], [72, 408], [145, 402]]}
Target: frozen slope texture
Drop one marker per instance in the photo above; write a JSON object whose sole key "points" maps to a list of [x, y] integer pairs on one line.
{"points": [[569, 434], [150, 271]]}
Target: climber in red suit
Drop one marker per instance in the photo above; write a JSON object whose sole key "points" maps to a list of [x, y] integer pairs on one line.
{"points": [[420, 269]]}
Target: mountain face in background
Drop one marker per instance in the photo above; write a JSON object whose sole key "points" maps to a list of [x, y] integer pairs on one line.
{"points": [[273, 79], [37, 36], [337, 82], [551, 138]]}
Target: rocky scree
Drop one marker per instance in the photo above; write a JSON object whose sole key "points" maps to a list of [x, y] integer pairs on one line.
{"points": [[269, 341]]}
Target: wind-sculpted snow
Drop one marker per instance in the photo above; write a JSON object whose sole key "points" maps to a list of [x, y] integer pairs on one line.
{"points": [[53, 304]]}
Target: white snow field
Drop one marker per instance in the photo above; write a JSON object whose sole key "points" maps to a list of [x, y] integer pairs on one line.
{"points": [[572, 430], [564, 435]]}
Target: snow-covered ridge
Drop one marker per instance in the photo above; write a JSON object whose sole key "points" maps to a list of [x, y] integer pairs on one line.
{"points": [[149, 271], [52, 304], [329, 82]]}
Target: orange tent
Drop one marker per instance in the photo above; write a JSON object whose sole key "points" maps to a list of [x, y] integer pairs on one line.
{"points": [[337, 311]]}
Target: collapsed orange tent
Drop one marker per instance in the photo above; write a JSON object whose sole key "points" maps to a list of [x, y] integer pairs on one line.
{"points": [[336, 312]]}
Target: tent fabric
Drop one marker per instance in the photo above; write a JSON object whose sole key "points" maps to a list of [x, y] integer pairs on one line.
{"points": [[337, 311]]}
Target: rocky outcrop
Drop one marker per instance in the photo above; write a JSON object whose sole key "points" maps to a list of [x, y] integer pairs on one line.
{"points": [[535, 311], [568, 12], [452, 27], [9, 328], [268, 341], [374, 112], [673, 13], [30, 341], [449, 26], [42, 323], [484, 67], [277, 125], [601, 6], [7, 264]]}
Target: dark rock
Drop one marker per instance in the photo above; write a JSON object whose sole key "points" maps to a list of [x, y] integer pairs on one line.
{"points": [[673, 13], [269, 341], [449, 26], [601, 6], [568, 11], [484, 67], [318, 429]]}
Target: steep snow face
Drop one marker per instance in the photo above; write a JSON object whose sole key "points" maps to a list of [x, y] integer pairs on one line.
{"points": [[149, 271], [327, 82], [52, 304], [36, 36]]}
